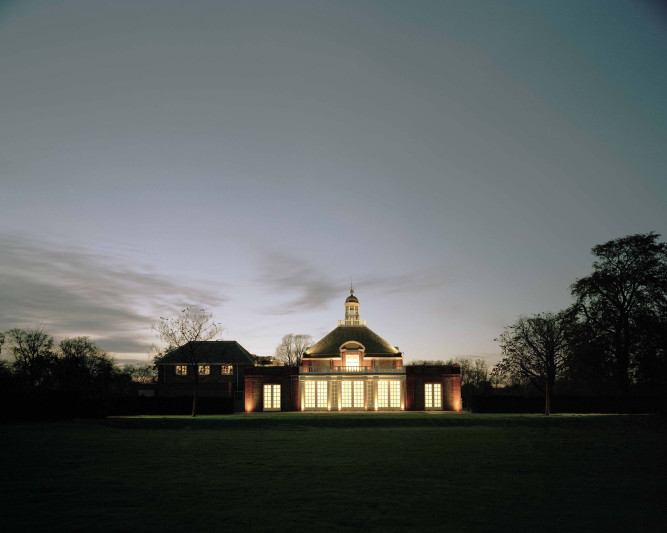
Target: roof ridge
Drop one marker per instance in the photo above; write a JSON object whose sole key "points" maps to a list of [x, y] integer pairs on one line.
{"points": [[331, 342]]}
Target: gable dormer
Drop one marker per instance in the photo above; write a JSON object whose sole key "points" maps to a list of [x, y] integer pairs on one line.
{"points": [[352, 354]]}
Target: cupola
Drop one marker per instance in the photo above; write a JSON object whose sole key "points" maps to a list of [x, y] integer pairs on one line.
{"points": [[352, 311]]}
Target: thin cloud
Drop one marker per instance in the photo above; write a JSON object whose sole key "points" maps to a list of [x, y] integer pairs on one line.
{"points": [[287, 274], [415, 281], [290, 275], [68, 290]]}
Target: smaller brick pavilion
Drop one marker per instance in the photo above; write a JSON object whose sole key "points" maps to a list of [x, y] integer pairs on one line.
{"points": [[217, 366]]}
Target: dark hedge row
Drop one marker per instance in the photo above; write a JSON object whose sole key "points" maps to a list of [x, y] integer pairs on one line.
{"points": [[569, 404], [56, 406]]}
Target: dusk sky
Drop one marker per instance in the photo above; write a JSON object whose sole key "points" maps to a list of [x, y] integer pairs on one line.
{"points": [[455, 160]]}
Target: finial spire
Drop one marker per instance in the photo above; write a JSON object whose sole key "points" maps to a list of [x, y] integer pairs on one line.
{"points": [[351, 310]]}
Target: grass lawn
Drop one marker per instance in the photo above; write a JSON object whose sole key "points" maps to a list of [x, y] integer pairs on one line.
{"points": [[337, 472]]}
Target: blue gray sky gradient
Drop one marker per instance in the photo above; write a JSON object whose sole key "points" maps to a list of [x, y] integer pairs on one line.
{"points": [[456, 160]]}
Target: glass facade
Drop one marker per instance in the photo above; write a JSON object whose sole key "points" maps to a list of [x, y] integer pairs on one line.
{"points": [[352, 394], [315, 394], [389, 394]]}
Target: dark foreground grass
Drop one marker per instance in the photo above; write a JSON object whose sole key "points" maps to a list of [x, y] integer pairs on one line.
{"points": [[336, 472]]}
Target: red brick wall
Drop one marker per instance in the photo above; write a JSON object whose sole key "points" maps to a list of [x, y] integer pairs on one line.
{"points": [[249, 386], [451, 392], [448, 376], [295, 393], [410, 394], [254, 387]]}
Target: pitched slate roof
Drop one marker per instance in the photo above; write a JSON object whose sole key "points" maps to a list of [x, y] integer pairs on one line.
{"points": [[330, 344], [213, 352]]}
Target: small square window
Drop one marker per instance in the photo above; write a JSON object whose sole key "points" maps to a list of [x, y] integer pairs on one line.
{"points": [[181, 370], [204, 370], [227, 370]]}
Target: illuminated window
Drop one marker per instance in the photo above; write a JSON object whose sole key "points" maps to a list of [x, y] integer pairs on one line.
{"points": [[227, 370], [352, 360], [271, 397], [321, 394], [181, 370], [204, 370], [353, 394], [358, 394], [309, 394], [389, 394], [433, 396], [383, 394], [315, 394], [394, 394], [347, 394]]}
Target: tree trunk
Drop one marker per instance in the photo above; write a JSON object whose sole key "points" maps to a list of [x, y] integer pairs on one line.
{"points": [[623, 369], [547, 396], [623, 357], [194, 393]]}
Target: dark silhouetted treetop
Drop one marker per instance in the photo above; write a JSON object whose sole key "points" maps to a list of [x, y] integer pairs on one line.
{"points": [[537, 348], [292, 347], [624, 299]]}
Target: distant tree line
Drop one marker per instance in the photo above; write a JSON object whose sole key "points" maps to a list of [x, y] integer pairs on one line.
{"points": [[291, 349], [74, 371], [611, 341]]}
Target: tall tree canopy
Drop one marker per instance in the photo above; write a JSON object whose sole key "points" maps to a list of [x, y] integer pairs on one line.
{"points": [[625, 305], [33, 352], [83, 367], [291, 348], [535, 348]]}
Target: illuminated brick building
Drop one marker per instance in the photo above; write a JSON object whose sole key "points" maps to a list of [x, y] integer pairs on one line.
{"points": [[352, 368]]}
